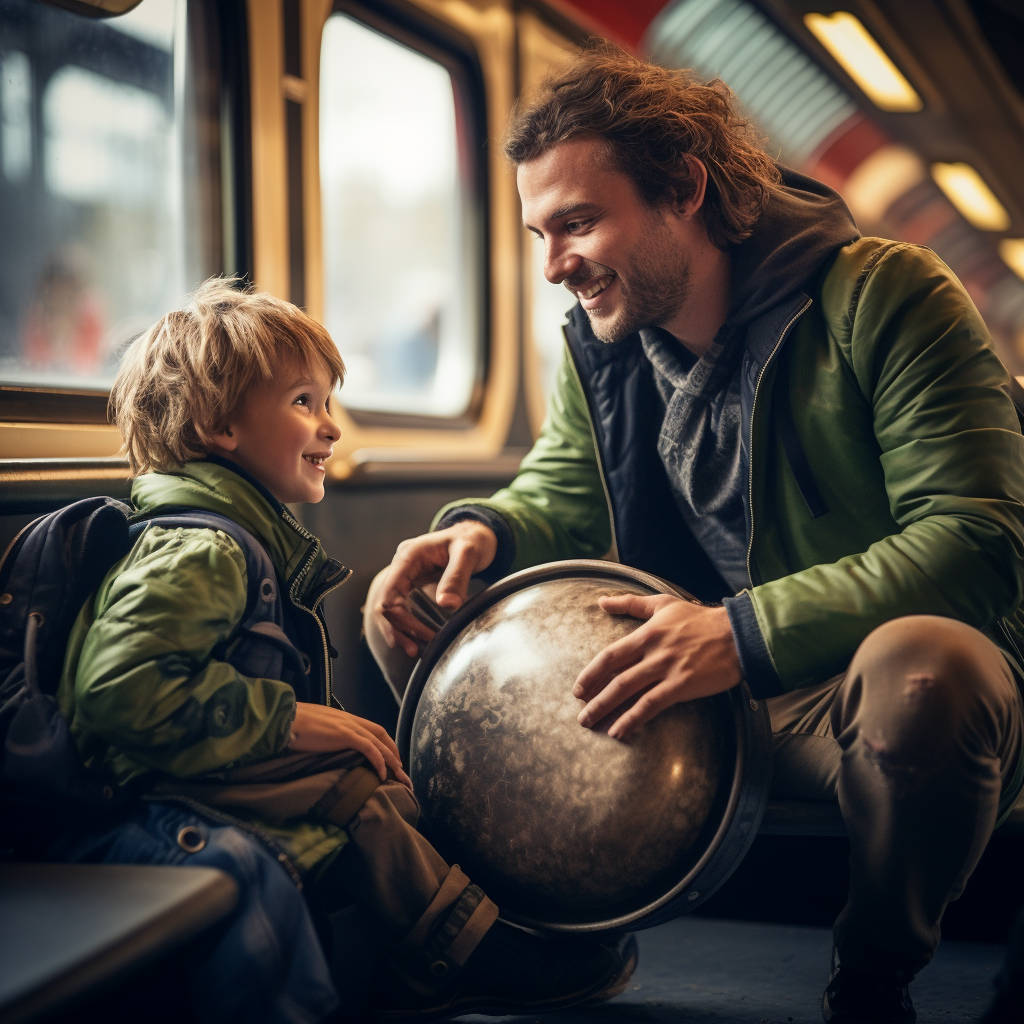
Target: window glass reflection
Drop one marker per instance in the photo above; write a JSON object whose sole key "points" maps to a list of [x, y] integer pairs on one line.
{"points": [[92, 138], [16, 110], [402, 268], [103, 141]]}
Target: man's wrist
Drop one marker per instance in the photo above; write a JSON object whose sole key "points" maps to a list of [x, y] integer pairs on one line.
{"points": [[755, 660], [505, 551]]}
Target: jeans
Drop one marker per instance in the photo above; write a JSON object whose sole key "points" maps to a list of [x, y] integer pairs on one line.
{"points": [[264, 964]]}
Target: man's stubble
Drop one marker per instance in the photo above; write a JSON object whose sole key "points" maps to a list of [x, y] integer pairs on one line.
{"points": [[658, 273]]}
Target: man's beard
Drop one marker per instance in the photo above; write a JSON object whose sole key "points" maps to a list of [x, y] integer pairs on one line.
{"points": [[658, 272]]}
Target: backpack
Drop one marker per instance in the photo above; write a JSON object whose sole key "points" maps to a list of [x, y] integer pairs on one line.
{"points": [[47, 574]]}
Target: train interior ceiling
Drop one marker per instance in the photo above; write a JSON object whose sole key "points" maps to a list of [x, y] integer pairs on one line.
{"points": [[344, 155]]}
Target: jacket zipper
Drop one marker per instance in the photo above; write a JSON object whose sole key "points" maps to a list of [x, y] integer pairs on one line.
{"points": [[757, 387], [300, 574], [613, 554]]}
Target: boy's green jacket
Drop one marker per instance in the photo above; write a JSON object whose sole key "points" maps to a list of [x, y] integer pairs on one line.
{"points": [[903, 411], [146, 697]]}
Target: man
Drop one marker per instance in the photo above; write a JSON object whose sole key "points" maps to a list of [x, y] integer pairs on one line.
{"points": [[807, 426]]}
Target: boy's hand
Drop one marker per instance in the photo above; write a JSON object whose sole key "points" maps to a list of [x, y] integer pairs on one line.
{"points": [[450, 556], [323, 730]]}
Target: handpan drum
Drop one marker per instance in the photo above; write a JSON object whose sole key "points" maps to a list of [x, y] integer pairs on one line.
{"points": [[566, 828]]}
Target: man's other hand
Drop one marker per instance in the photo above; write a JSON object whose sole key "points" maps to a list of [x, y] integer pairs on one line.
{"points": [[683, 651], [450, 557], [324, 730]]}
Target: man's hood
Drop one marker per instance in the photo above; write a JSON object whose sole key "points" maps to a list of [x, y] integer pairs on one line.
{"points": [[804, 224]]}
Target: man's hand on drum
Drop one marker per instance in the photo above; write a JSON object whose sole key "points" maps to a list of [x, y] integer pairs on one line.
{"points": [[683, 651], [449, 557]]}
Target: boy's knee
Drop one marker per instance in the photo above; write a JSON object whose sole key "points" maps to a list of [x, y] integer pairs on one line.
{"points": [[360, 795], [921, 683], [389, 801]]}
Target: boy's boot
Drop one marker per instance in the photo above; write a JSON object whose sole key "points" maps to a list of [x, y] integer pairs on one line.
{"points": [[447, 953], [511, 971]]}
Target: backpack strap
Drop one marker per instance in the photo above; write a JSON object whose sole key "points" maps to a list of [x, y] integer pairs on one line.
{"points": [[259, 645], [260, 573]]}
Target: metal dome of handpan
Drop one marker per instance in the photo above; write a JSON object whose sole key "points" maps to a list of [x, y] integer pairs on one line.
{"points": [[564, 827]]}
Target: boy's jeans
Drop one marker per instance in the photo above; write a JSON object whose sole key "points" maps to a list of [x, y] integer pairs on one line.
{"points": [[265, 964]]}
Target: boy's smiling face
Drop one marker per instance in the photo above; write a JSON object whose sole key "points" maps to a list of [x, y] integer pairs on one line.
{"points": [[282, 433]]}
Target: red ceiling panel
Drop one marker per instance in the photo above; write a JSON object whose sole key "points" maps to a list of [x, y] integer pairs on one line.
{"points": [[624, 21]]}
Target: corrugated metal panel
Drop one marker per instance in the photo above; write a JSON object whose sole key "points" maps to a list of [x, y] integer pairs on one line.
{"points": [[794, 102]]}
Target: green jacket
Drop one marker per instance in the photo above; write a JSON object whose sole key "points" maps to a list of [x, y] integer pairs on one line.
{"points": [[145, 696], [904, 414]]}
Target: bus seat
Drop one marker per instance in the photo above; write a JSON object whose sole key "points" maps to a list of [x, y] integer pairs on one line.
{"points": [[69, 928]]}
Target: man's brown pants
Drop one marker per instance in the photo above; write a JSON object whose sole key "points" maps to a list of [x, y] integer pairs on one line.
{"points": [[919, 740]]}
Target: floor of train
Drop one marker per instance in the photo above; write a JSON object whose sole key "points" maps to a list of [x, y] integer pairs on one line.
{"points": [[707, 971]]}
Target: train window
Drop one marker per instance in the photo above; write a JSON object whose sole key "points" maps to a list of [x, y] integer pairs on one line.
{"points": [[109, 209], [403, 259], [550, 304]]}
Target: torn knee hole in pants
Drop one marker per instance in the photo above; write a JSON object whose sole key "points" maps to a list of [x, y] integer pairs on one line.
{"points": [[918, 684]]}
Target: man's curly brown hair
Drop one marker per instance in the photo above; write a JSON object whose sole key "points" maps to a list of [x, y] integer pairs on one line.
{"points": [[651, 118]]}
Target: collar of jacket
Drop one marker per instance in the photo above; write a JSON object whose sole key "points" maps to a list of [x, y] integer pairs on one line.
{"points": [[216, 485], [618, 383]]}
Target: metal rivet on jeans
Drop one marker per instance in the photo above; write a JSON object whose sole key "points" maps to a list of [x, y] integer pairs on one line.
{"points": [[6, 598], [439, 968], [693, 895], [753, 705], [191, 840]]}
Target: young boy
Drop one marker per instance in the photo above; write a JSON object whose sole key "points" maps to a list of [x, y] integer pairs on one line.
{"points": [[223, 407]]}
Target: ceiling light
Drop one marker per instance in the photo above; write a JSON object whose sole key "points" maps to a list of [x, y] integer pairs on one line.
{"points": [[857, 53], [1012, 251], [966, 190], [879, 180]]}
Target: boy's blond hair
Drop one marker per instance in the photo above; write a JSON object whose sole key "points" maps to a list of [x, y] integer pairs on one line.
{"points": [[183, 381]]}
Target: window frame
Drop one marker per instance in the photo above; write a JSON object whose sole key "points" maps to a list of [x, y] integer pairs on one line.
{"points": [[372, 442], [457, 56]]}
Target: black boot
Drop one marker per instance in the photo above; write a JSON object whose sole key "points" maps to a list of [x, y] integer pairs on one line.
{"points": [[854, 997], [513, 971], [1008, 1004]]}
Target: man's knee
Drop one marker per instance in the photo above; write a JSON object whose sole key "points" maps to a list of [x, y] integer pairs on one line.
{"points": [[921, 683]]}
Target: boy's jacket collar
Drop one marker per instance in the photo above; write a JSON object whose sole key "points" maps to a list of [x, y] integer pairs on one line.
{"points": [[216, 485]]}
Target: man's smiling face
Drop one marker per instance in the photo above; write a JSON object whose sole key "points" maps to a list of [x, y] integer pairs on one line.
{"points": [[626, 262]]}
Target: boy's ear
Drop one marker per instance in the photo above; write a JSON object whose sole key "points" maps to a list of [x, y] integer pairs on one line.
{"points": [[225, 440]]}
